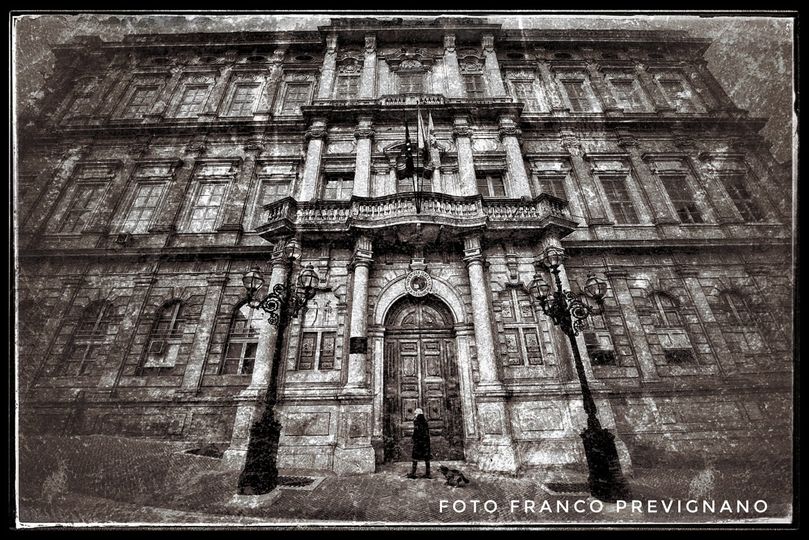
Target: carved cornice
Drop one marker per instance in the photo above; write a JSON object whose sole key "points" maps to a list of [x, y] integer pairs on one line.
{"points": [[364, 132]]}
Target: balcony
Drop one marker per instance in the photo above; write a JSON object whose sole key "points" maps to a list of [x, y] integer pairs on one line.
{"points": [[441, 217]]}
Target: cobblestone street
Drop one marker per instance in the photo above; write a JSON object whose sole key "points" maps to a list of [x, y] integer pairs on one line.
{"points": [[103, 479]]}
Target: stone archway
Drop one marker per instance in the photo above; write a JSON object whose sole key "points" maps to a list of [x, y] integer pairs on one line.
{"points": [[421, 371]]}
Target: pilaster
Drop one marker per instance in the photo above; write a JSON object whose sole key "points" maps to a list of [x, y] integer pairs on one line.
{"points": [[494, 76], [362, 171], [329, 69], [661, 211], [509, 134], [594, 207], [316, 137], [462, 132], [368, 77], [454, 83]]}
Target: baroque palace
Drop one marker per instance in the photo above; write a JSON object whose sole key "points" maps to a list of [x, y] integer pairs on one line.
{"points": [[162, 168]]}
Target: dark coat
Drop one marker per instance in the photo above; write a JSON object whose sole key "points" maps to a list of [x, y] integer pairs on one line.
{"points": [[421, 438]]}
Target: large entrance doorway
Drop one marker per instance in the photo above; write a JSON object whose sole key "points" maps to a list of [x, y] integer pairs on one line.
{"points": [[421, 371]]}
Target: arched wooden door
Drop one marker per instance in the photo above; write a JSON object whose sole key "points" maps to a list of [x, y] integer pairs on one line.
{"points": [[421, 371]]}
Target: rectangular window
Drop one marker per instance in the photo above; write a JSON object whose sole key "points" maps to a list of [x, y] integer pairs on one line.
{"points": [[240, 358], [411, 83], [348, 86], [192, 100], [269, 191], [677, 95], [81, 208], [244, 97], [328, 341], [141, 101], [620, 202], [577, 96], [737, 190], [524, 92], [679, 356], [681, 198], [475, 86], [142, 210], [306, 356], [79, 106], [627, 94], [553, 185], [296, 96], [491, 185], [337, 188], [205, 212]]}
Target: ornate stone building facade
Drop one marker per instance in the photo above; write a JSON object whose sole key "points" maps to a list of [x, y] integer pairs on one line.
{"points": [[163, 167]]}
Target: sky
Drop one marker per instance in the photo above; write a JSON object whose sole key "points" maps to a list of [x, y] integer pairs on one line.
{"points": [[751, 56]]}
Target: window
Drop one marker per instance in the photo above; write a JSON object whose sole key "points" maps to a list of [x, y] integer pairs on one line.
{"points": [[317, 349], [141, 101], [665, 310], [296, 96], [681, 198], [141, 213], [520, 329], [598, 352], [491, 185], [475, 87], [627, 94], [269, 191], [244, 96], [80, 105], [164, 340], [240, 353], [348, 86], [553, 185], [205, 212], [737, 190], [679, 356], [192, 100], [577, 96], [411, 83], [524, 92], [81, 208], [337, 188], [86, 350], [677, 95], [618, 198], [731, 308]]}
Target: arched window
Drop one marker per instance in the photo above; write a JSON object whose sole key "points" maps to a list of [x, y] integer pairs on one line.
{"points": [[242, 345], [665, 311], [86, 348], [164, 339], [731, 308]]}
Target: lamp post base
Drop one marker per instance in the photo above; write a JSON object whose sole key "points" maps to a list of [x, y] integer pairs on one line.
{"points": [[606, 480], [260, 474]]}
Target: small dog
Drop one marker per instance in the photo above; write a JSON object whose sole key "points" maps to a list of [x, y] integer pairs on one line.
{"points": [[454, 477]]}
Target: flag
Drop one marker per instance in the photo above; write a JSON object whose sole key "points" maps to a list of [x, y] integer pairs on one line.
{"points": [[425, 150], [404, 162]]}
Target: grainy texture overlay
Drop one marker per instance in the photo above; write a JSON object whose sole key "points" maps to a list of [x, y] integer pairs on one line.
{"points": [[252, 250]]}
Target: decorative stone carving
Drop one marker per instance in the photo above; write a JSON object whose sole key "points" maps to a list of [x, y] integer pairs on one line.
{"points": [[461, 131], [488, 42], [254, 145], [316, 131], [370, 44], [449, 43], [418, 283], [571, 143], [471, 64], [195, 147], [364, 132]]}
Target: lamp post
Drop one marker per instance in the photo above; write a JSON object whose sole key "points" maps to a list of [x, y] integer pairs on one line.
{"points": [[260, 473], [569, 311]]}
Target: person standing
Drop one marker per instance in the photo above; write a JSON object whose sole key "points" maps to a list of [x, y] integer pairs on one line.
{"points": [[421, 443]]}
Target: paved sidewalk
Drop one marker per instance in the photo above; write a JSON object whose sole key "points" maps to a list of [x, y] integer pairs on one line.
{"points": [[105, 479]]}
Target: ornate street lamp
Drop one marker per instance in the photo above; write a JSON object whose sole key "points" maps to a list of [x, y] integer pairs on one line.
{"points": [[260, 473], [569, 312]]}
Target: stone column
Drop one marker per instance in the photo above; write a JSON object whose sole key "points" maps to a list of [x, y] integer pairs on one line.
{"points": [[362, 171], [117, 191], [368, 77], [509, 134], [494, 76], [462, 133], [240, 189], [250, 400], [637, 336], [454, 83], [662, 214], [360, 266], [192, 376], [274, 73], [122, 345], [175, 193], [329, 68], [602, 89], [213, 104], [650, 86], [558, 107], [712, 327], [164, 100], [481, 314], [316, 135], [594, 207]]}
